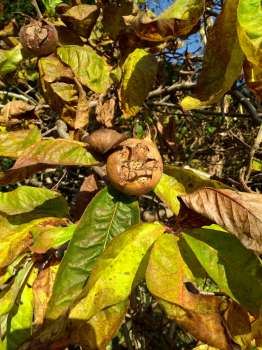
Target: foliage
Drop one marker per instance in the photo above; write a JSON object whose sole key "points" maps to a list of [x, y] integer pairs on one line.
{"points": [[72, 265]]}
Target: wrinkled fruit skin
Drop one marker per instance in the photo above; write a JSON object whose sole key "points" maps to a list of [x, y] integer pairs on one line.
{"points": [[136, 167], [38, 38]]}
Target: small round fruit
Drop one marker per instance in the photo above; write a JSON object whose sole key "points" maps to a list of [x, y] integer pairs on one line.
{"points": [[38, 38], [136, 167]]}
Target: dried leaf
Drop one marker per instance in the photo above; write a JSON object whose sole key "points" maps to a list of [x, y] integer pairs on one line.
{"points": [[167, 277], [238, 323], [139, 73], [89, 68], [178, 181], [225, 55], [84, 196], [103, 140], [81, 18], [249, 15], [52, 69], [112, 277], [14, 143], [105, 112], [82, 111], [15, 108], [42, 291], [178, 19], [238, 212]]}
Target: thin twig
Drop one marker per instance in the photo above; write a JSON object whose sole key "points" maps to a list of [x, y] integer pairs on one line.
{"points": [[18, 96], [39, 13], [167, 89]]}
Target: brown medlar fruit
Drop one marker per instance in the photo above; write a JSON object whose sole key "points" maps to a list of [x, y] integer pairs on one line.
{"points": [[38, 38], [102, 140], [136, 167]]}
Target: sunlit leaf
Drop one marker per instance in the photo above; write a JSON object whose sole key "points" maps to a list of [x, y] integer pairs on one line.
{"points": [[15, 109], [238, 212], [222, 61], [101, 328], [8, 297], [9, 60], [13, 143], [169, 279], [107, 215], [50, 5], [113, 275], [178, 181], [67, 92], [45, 154], [26, 198], [256, 164], [229, 264], [81, 18], [20, 318], [52, 69], [139, 73], [90, 68], [47, 237], [249, 15], [178, 19], [11, 269]]}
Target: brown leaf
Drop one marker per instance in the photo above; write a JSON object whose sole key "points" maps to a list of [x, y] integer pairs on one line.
{"points": [[238, 324], [238, 212], [42, 290], [82, 111], [14, 109], [105, 112], [87, 191], [81, 18]]}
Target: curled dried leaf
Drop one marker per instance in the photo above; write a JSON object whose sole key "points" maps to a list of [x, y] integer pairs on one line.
{"points": [[136, 167], [102, 140]]}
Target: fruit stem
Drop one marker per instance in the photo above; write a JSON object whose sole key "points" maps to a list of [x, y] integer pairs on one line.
{"points": [[39, 13]]}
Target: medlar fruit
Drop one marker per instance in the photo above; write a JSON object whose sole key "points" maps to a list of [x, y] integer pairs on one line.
{"points": [[102, 140], [136, 167], [38, 38]]}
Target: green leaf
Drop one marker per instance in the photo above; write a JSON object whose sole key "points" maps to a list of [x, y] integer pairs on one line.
{"points": [[178, 19], [107, 215], [90, 68], [25, 199], [236, 270], [81, 18], [112, 277], [45, 238], [67, 92], [20, 318], [50, 5], [223, 60], [9, 60], [139, 73], [8, 297], [249, 15], [168, 277], [178, 181], [256, 165]]}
